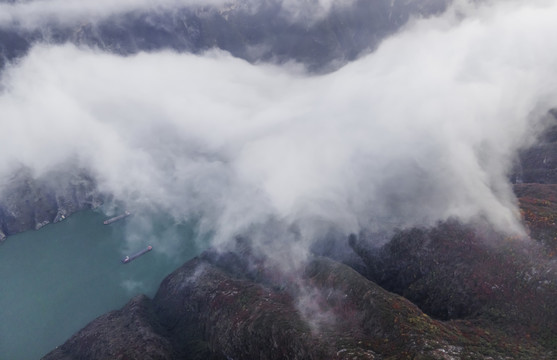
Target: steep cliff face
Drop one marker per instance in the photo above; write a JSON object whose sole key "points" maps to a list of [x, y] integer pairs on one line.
{"points": [[28, 203], [538, 163]]}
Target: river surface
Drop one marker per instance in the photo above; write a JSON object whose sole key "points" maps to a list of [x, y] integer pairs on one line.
{"points": [[59, 278]]}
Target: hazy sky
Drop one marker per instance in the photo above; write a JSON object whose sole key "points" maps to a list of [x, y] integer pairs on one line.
{"points": [[424, 128]]}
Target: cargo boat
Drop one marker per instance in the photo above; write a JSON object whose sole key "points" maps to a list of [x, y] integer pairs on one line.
{"points": [[116, 218], [129, 258]]}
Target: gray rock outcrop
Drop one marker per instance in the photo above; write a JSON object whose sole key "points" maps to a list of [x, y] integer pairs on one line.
{"points": [[29, 203]]}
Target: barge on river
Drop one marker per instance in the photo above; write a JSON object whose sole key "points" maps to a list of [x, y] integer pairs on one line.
{"points": [[130, 258], [116, 218]]}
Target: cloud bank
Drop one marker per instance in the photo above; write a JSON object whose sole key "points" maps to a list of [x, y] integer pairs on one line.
{"points": [[423, 129]]}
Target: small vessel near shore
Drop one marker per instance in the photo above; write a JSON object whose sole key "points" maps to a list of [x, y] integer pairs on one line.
{"points": [[130, 258], [116, 218]]}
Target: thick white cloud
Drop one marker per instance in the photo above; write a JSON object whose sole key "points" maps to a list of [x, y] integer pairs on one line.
{"points": [[423, 129]]}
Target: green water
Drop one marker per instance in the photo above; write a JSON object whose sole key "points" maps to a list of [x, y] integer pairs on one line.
{"points": [[59, 278]]}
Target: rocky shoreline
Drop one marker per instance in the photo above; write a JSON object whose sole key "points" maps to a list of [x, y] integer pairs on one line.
{"points": [[29, 203]]}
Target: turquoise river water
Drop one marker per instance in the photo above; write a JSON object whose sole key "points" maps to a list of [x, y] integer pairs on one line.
{"points": [[59, 278]]}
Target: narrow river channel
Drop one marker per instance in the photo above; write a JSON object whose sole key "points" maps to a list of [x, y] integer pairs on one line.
{"points": [[59, 278]]}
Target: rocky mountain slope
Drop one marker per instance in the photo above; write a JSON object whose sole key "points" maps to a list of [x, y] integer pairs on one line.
{"points": [[454, 271], [538, 163], [202, 311]]}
